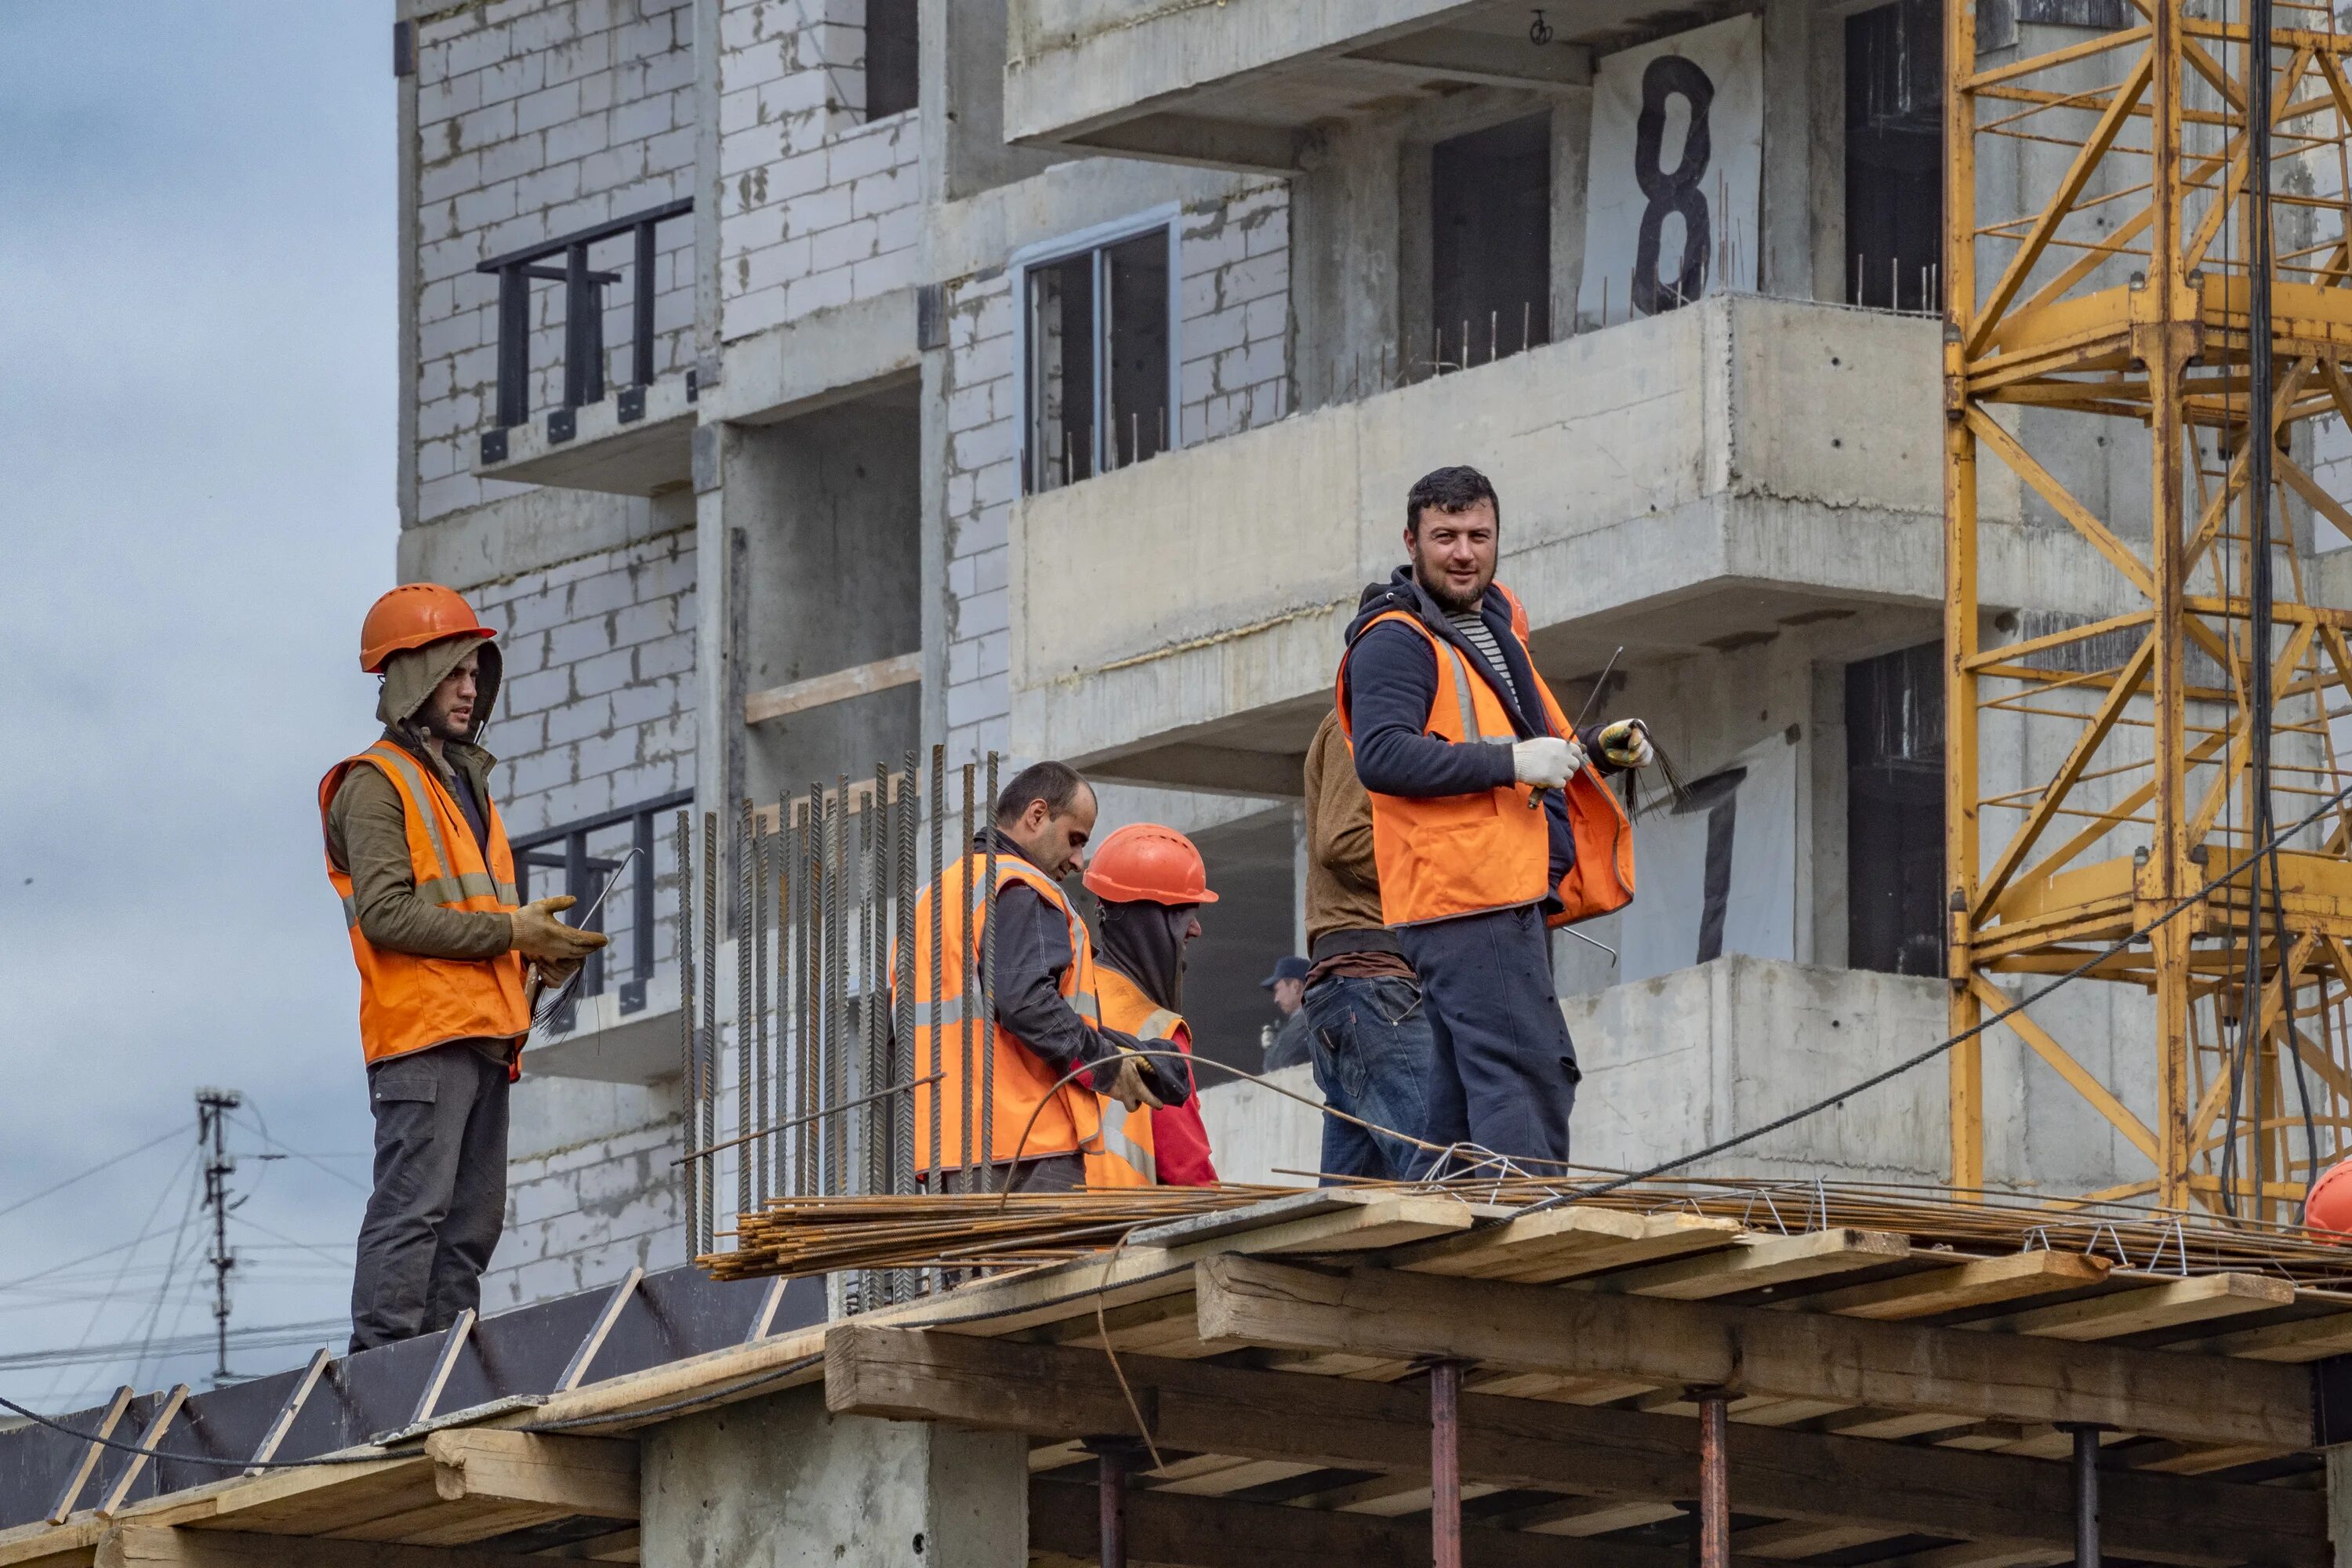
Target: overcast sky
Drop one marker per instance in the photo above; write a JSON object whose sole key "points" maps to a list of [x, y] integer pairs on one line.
{"points": [[197, 381]]}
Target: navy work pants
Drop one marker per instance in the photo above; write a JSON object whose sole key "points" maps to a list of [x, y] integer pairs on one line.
{"points": [[440, 1195], [1368, 1038], [1504, 1072]]}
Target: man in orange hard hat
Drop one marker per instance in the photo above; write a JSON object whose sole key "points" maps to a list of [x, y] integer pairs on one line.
{"points": [[1149, 884], [448, 962]]}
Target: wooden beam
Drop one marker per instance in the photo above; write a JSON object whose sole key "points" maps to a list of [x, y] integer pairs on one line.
{"points": [[597, 1477], [1802, 1355], [1982, 1282], [833, 686], [138, 1547], [1343, 1424], [2306, 1339], [2193, 1300], [1570, 1243], [1762, 1264], [1200, 1532]]}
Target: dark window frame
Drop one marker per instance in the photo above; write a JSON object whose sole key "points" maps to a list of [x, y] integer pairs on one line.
{"points": [[1091, 248]]}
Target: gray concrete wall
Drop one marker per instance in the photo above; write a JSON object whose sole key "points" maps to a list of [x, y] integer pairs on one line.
{"points": [[777, 1481]]}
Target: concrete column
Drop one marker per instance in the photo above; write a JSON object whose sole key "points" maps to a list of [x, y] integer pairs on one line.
{"points": [[780, 1482], [717, 600], [961, 66], [1572, 158], [1786, 257], [1344, 248]]}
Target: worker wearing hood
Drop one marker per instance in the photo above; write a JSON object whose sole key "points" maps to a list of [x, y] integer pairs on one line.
{"points": [[448, 961]]}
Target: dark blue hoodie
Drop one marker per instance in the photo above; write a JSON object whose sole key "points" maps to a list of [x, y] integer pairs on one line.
{"points": [[1391, 680]]}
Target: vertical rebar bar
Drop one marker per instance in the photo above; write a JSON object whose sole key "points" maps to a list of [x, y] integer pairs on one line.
{"points": [[811, 985], [690, 1166], [1713, 1480], [875, 1110], [935, 1031], [902, 990], [988, 986], [755, 1150], [837, 1038], [780, 1062], [966, 983], [743, 969], [1114, 1461], [706, 1132], [1445, 1464]]}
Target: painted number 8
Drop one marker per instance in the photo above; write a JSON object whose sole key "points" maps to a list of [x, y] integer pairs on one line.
{"points": [[1677, 191]]}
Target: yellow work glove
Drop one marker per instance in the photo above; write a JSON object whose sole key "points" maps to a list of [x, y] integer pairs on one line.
{"points": [[1626, 743], [538, 935], [1129, 1081]]}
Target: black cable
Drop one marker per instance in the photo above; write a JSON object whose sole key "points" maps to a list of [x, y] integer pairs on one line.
{"points": [[1932, 1052], [178, 1457]]}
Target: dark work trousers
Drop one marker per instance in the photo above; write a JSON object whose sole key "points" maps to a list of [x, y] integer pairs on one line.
{"points": [[1368, 1036], [1504, 1072], [1047, 1173], [440, 1192]]}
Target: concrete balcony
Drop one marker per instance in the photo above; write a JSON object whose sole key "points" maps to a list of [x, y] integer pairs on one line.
{"points": [[637, 441], [1234, 85], [1687, 483]]}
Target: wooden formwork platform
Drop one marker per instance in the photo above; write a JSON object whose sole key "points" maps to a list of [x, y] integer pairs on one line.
{"points": [[1888, 1404]]}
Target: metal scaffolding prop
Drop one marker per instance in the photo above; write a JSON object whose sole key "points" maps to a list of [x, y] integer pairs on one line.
{"points": [[805, 969], [2177, 278]]}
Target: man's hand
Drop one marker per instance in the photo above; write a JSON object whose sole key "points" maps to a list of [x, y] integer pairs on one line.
{"points": [[556, 970], [1626, 743], [538, 935], [1547, 761], [1129, 1082]]}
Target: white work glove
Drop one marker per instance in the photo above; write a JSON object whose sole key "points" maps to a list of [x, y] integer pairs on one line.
{"points": [[1547, 761], [1127, 1084], [1626, 743]]}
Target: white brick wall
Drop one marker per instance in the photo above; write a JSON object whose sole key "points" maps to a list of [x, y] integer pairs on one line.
{"points": [[820, 207], [596, 710], [590, 1190], [1233, 274], [536, 118]]}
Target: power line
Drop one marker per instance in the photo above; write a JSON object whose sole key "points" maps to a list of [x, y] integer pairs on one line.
{"points": [[261, 1127], [267, 1336], [94, 1170]]}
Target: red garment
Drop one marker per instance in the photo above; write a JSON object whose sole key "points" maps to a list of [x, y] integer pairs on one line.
{"points": [[1180, 1141]]}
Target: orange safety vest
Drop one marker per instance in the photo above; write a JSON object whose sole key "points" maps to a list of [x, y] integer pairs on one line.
{"points": [[1128, 1158], [949, 1038], [1443, 856], [407, 1002]]}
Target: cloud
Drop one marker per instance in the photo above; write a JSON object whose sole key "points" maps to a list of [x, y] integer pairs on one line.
{"points": [[198, 424]]}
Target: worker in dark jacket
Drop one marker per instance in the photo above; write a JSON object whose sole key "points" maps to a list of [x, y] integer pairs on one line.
{"points": [[1489, 820], [448, 962]]}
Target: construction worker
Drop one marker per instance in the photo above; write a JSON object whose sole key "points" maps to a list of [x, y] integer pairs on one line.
{"points": [[1489, 821], [1004, 1069], [448, 962], [1149, 885], [1367, 1027], [1284, 1043]]}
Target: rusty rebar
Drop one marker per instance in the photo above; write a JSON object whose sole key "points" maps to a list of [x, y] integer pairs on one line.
{"points": [[1445, 1464]]}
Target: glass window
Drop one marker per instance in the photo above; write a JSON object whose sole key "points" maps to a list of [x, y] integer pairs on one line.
{"points": [[1098, 360]]}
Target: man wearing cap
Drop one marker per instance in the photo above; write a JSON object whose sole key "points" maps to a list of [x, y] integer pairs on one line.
{"points": [[1286, 1042], [448, 962]]}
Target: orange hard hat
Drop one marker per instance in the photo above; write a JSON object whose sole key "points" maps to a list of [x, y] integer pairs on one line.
{"points": [[2328, 1210], [1144, 861], [410, 616]]}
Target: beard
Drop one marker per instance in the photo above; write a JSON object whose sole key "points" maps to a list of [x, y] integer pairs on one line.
{"points": [[441, 726], [1445, 598]]}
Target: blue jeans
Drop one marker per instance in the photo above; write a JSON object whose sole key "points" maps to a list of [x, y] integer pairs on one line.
{"points": [[1503, 1072], [1368, 1038]]}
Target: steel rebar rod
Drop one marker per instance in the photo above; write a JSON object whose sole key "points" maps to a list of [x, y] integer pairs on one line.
{"points": [[758, 1153], [690, 1206], [700, 1107], [836, 1027], [744, 960], [2087, 1492], [966, 981], [1714, 1478], [934, 1027], [988, 988]]}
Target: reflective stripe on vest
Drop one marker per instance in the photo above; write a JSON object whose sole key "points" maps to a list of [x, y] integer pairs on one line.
{"points": [[407, 1002], [1129, 1156]]}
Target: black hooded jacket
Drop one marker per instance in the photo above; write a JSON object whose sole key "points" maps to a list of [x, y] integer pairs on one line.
{"points": [[1390, 681]]}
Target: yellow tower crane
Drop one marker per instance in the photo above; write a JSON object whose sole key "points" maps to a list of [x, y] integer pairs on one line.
{"points": [[2175, 276]]}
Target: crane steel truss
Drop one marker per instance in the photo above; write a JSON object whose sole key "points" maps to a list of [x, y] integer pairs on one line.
{"points": [[2121, 307]]}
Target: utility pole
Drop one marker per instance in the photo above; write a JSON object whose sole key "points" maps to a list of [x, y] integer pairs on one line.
{"points": [[212, 1106]]}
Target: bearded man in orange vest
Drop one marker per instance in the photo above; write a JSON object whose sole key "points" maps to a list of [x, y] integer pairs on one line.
{"points": [[449, 963], [1490, 823]]}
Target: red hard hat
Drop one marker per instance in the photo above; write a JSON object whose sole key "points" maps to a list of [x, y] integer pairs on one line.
{"points": [[1146, 862], [410, 616], [2327, 1212]]}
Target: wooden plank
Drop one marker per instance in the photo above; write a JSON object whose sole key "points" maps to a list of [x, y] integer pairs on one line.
{"points": [[746, 1372], [1980, 1282], [92, 1451], [1789, 1539], [1587, 1516], [1342, 1424], [2195, 1299], [835, 685], [1804, 1355], [1762, 1263], [67, 1545], [2306, 1339], [133, 1546], [1568, 1243], [340, 1503], [158, 1424], [593, 1477]]}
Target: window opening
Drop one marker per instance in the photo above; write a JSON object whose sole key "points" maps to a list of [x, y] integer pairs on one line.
{"points": [[891, 70], [1895, 157], [1895, 812], [1099, 357], [1490, 242]]}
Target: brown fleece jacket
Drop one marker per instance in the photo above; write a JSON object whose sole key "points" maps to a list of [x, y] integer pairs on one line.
{"points": [[1343, 885], [367, 832]]}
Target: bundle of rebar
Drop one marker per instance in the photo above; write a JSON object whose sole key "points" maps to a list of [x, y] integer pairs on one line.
{"points": [[977, 1230]]}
